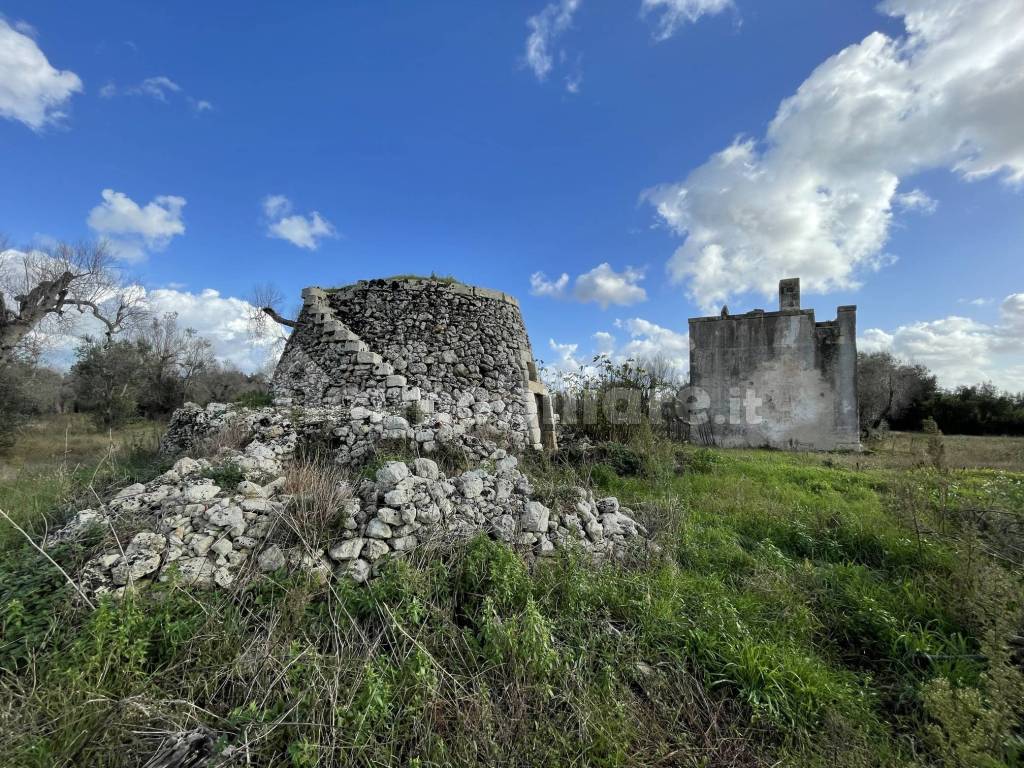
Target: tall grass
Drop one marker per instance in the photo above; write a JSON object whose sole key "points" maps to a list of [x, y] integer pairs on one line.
{"points": [[796, 613]]}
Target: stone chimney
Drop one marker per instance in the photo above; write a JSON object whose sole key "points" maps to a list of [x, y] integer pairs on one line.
{"points": [[789, 293]]}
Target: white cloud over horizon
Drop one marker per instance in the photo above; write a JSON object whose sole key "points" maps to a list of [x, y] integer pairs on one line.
{"points": [[304, 231], [602, 285], [223, 320], [644, 341], [960, 350], [133, 230], [815, 197], [32, 91]]}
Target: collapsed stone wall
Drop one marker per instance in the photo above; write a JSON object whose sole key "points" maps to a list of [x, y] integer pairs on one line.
{"points": [[418, 346], [185, 526]]}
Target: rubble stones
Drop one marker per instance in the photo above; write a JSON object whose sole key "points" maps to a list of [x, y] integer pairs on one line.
{"points": [[207, 534]]}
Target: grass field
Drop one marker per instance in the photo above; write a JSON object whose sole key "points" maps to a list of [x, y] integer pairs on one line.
{"points": [[854, 610]]}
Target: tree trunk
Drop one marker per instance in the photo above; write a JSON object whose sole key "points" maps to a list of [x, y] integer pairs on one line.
{"points": [[45, 298]]}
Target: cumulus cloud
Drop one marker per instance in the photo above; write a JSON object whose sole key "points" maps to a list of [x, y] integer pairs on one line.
{"points": [[541, 286], [32, 91], [604, 343], [131, 229], [304, 231], [645, 341], [815, 196], [673, 14], [960, 350], [565, 360], [648, 341], [545, 29], [603, 285], [224, 320]]}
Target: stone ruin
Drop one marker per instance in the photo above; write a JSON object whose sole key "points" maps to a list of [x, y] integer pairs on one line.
{"points": [[422, 346], [775, 379], [427, 367]]}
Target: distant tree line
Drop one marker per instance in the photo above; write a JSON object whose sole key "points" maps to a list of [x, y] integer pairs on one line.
{"points": [[147, 374], [895, 394]]}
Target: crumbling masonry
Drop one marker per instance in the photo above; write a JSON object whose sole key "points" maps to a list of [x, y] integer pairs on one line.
{"points": [[775, 379], [419, 345]]}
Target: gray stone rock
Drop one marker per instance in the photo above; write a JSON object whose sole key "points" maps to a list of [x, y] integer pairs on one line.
{"points": [[535, 517], [426, 468], [358, 570], [271, 559], [199, 493], [375, 549], [195, 571], [347, 550], [404, 543], [378, 529], [391, 474]]}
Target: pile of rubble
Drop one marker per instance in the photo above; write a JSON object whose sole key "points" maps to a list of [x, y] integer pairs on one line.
{"points": [[185, 526]]}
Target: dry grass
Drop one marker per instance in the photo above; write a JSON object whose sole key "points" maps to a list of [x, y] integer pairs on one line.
{"points": [[319, 489], [68, 440], [908, 450]]}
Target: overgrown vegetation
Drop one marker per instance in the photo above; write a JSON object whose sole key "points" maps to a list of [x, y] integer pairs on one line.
{"points": [[802, 610]]}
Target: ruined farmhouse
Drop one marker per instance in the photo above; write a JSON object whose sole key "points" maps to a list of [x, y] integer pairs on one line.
{"points": [[776, 379]]}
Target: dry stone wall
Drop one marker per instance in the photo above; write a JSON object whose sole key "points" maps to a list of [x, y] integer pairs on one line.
{"points": [[183, 525], [416, 347]]}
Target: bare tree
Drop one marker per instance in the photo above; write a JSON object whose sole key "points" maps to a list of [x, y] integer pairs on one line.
{"points": [[39, 286], [266, 298]]}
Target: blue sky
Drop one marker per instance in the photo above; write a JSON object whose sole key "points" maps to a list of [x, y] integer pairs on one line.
{"points": [[665, 155]]}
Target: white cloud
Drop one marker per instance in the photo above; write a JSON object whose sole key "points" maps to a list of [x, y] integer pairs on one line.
{"points": [[646, 341], [31, 90], [224, 320], [815, 198], [604, 343], [916, 200], [960, 350], [160, 88], [545, 29], [131, 229], [603, 285], [675, 13], [566, 353], [303, 231], [541, 286], [979, 302], [156, 87], [276, 206], [649, 340]]}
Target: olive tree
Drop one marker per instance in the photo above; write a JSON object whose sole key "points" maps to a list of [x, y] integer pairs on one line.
{"points": [[42, 289]]}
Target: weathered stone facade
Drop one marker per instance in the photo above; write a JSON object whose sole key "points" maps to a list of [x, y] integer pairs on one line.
{"points": [[776, 379], [421, 346]]}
